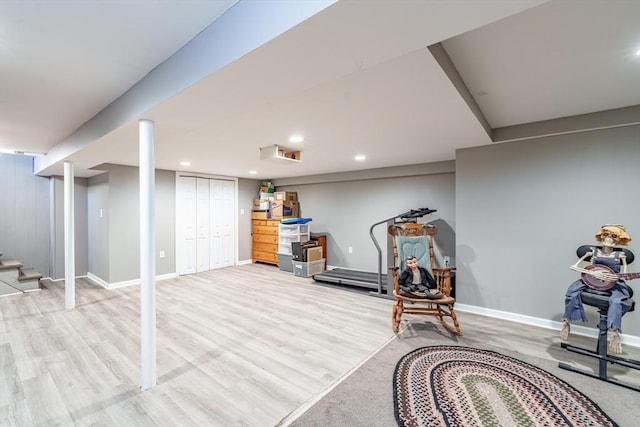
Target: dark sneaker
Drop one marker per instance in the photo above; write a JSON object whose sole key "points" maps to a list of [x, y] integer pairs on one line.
{"points": [[434, 294], [413, 294]]}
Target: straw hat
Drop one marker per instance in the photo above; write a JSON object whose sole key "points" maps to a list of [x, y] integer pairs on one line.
{"points": [[617, 231]]}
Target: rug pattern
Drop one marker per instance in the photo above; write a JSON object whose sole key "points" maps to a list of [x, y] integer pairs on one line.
{"points": [[463, 386]]}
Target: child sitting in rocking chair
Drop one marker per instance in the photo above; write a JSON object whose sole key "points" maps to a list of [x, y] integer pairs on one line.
{"points": [[417, 282]]}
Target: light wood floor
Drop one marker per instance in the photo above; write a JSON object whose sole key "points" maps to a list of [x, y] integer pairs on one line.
{"points": [[240, 346]]}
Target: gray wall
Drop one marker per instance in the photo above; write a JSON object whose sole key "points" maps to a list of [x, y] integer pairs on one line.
{"points": [[32, 218], [24, 213], [98, 225], [124, 223], [518, 210], [114, 237], [115, 243], [522, 209], [165, 217], [248, 189], [345, 207]]}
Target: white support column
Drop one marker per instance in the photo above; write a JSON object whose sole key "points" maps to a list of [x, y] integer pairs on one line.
{"points": [[69, 239], [147, 256]]}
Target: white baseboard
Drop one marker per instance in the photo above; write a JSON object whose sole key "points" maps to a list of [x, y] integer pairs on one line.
{"points": [[63, 279], [11, 293], [98, 280], [631, 340], [133, 282]]}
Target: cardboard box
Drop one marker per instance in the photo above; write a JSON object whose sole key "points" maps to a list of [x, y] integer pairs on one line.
{"points": [[260, 205], [284, 209], [260, 214], [314, 254], [293, 155], [267, 187], [285, 195]]}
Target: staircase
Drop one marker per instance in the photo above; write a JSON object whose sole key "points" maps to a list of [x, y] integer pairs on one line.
{"points": [[14, 279]]}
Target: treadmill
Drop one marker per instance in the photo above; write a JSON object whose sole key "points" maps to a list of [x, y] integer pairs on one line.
{"points": [[365, 279]]}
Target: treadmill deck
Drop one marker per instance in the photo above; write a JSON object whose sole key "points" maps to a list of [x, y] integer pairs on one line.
{"points": [[345, 276]]}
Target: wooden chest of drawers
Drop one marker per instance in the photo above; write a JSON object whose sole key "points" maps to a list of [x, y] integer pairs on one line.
{"points": [[265, 240]]}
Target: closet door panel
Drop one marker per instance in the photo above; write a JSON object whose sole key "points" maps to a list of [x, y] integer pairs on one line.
{"points": [[203, 224], [216, 229], [222, 223], [229, 223], [186, 229]]}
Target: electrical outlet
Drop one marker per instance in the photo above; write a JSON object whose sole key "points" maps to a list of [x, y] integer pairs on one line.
{"points": [[447, 260], [350, 250]]}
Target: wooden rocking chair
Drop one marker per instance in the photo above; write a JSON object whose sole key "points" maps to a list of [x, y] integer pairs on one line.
{"points": [[413, 239]]}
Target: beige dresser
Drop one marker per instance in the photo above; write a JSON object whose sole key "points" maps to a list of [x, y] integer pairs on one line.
{"points": [[265, 240]]}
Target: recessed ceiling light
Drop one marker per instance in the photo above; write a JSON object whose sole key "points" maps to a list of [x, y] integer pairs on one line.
{"points": [[296, 138], [638, 52], [185, 163], [360, 157], [253, 172]]}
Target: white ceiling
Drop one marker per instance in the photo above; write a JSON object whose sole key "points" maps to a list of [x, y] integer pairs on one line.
{"points": [[356, 78]]}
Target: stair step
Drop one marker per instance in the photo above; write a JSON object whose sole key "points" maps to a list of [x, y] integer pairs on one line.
{"points": [[29, 274], [9, 264], [28, 280]]}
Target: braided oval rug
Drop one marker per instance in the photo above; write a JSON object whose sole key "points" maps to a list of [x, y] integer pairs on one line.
{"points": [[463, 386]]}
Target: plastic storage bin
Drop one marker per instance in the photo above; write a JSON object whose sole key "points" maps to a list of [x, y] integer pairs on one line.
{"points": [[290, 233], [284, 262], [308, 269]]}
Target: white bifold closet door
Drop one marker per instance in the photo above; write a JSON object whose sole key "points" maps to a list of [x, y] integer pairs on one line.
{"points": [[222, 226], [206, 226], [203, 221], [186, 225]]}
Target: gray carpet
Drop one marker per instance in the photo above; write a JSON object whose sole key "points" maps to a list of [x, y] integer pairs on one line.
{"points": [[365, 397]]}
